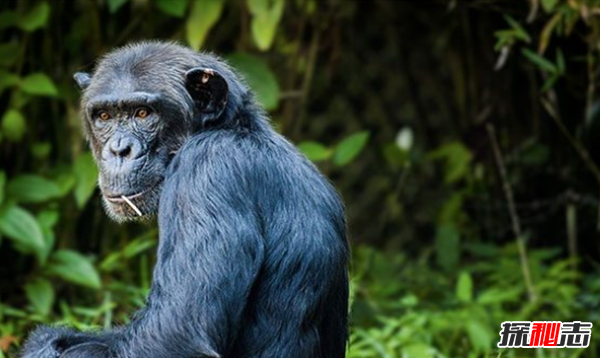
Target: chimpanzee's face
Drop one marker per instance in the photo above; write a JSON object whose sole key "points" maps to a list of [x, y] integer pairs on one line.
{"points": [[125, 136], [139, 108]]}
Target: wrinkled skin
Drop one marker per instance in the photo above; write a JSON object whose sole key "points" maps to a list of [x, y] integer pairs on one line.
{"points": [[252, 256]]}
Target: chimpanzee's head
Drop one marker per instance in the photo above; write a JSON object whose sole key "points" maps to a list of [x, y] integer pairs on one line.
{"points": [[140, 106]]}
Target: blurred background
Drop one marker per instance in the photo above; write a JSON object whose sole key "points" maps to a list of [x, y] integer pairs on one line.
{"points": [[462, 134]]}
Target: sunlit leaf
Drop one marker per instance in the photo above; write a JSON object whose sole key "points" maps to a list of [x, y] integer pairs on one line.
{"points": [[259, 77], [173, 7], [36, 18], [418, 350], [115, 5], [314, 151], [480, 335], [464, 287], [86, 174], [203, 15], [13, 125], [350, 148], [32, 189], [20, 226], [265, 18], [73, 267], [39, 84], [41, 296]]}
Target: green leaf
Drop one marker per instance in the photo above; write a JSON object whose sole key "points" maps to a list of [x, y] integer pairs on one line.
{"points": [[41, 296], [9, 53], [480, 335], [203, 15], [314, 151], [73, 267], [8, 80], [265, 18], [464, 287], [259, 77], [172, 7], [47, 219], [457, 159], [418, 350], [115, 5], [447, 247], [41, 150], [20, 226], [39, 84], [548, 5], [542, 63], [32, 189], [519, 31], [86, 174], [36, 18], [13, 125], [350, 148]]}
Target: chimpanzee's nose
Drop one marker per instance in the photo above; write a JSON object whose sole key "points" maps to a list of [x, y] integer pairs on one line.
{"points": [[121, 147]]}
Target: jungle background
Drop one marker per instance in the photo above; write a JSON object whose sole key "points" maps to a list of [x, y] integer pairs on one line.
{"points": [[462, 134]]}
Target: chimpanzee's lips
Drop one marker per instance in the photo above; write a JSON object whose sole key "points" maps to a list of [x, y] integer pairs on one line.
{"points": [[119, 199]]}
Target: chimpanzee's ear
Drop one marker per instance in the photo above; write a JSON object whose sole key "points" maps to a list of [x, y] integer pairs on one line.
{"points": [[82, 79], [209, 90]]}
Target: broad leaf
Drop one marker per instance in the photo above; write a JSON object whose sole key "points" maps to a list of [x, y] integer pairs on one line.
{"points": [[259, 77], [20, 226], [464, 287], [86, 174], [73, 267], [314, 151], [41, 296], [203, 15], [349, 148], [39, 84], [32, 189], [36, 18], [13, 125], [265, 18], [173, 7]]}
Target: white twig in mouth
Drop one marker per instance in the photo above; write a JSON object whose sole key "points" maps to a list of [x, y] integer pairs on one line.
{"points": [[132, 205]]}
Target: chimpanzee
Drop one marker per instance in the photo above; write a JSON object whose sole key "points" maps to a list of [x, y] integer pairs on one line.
{"points": [[252, 257]]}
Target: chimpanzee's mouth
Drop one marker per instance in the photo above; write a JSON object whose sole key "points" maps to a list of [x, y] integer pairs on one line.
{"points": [[120, 199]]}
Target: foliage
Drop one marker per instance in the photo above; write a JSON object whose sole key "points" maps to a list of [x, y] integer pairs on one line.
{"points": [[393, 100]]}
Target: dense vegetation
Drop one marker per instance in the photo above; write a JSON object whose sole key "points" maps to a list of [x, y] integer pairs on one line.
{"points": [[462, 135]]}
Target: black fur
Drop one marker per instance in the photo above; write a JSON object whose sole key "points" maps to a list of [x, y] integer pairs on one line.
{"points": [[252, 260]]}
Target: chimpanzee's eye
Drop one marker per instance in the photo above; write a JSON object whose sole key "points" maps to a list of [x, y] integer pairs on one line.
{"points": [[104, 116], [142, 113]]}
